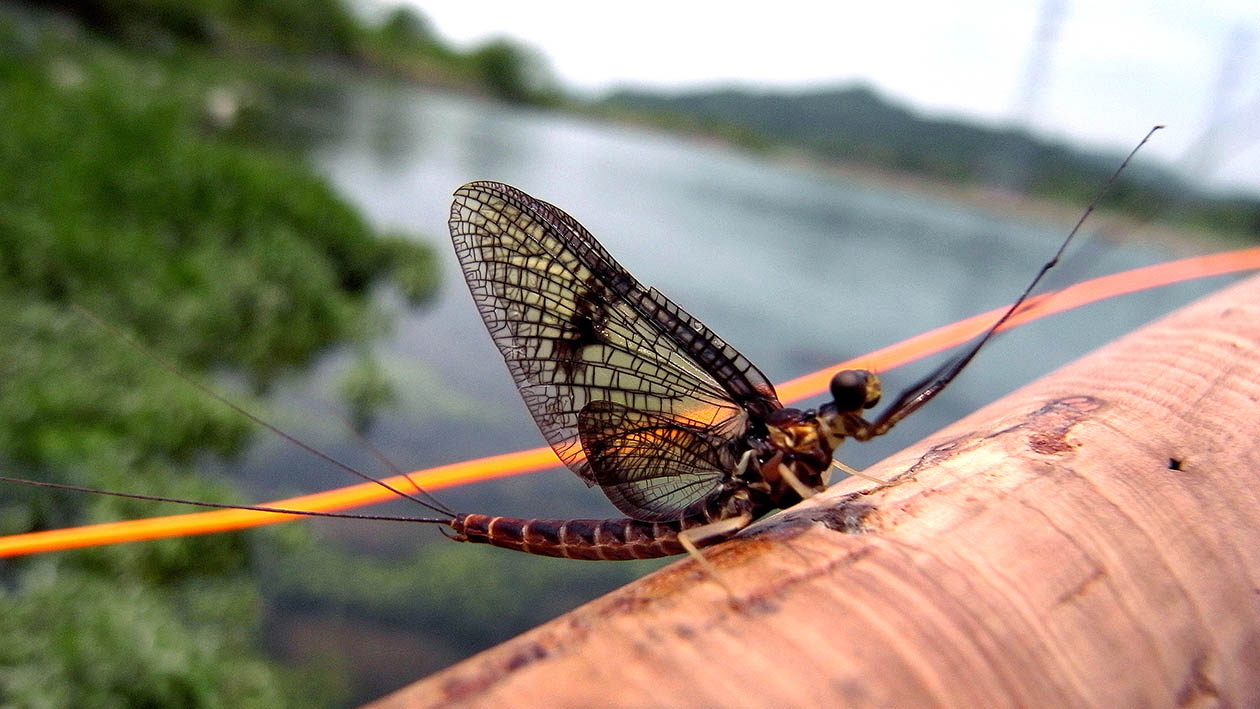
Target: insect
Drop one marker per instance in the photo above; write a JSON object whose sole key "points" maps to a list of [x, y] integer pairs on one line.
{"points": [[683, 434]]}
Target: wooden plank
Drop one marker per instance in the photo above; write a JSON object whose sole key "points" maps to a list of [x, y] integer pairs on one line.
{"points": [[1092, 539]]}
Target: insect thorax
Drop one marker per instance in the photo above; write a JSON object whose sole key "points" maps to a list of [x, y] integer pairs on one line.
{"points": [[794, 445]]}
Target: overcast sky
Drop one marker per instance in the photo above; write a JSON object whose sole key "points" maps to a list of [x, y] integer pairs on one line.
{"points": [[1106, 71]]}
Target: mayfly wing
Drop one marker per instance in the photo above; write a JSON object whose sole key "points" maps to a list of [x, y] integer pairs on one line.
{"points": [[652, 467], [576, 328]]}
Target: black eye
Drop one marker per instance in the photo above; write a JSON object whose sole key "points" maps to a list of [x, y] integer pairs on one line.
{"points": [[854, 389]]}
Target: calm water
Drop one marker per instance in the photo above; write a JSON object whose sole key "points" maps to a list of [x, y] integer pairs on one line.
{"points": [[796, 268]]}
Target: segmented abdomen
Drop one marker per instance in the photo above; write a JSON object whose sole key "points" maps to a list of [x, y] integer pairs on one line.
{"points": [[594, 539]]}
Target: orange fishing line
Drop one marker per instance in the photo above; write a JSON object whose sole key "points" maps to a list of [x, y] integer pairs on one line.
{"points": [[535, 459]]}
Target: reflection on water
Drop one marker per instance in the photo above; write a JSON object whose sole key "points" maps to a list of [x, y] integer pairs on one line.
{"points": [[796, 268]]}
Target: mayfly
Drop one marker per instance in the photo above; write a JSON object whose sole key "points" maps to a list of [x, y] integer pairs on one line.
{"points": [[684, 435]]}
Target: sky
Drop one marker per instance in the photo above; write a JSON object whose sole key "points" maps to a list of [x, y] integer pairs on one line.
{"points": [[1098, 73]]}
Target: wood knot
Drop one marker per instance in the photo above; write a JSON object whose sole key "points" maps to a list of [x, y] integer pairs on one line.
{"points": [[847, 518], [1048, 426]]}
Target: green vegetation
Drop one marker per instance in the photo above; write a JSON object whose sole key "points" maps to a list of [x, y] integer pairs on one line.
{"points": [[292, 25], [859, 127], [404, 44], [401, 43], [132, 186]]}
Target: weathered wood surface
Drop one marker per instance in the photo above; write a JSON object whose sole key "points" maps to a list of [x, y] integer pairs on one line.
{"points": [[1092, 539]]}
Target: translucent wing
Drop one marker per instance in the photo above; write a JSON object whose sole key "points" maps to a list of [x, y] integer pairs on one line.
{"points": [[651, 467], [576, 328]]}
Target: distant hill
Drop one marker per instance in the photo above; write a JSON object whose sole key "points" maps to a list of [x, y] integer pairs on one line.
{"points": [[857, 125]]}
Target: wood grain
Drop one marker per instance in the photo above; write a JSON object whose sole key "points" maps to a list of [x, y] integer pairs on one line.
{"points": [[1092, 539]]}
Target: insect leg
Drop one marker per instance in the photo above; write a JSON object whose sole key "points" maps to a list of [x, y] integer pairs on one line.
{"points": [[691, 539], [856, 473], [795, 483]]}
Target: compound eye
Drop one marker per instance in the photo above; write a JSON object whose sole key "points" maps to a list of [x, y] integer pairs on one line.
{"points": [[854, 389], [872, 398]]}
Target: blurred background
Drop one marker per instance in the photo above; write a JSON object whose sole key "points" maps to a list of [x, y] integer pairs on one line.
{"points": [[258, 192]]}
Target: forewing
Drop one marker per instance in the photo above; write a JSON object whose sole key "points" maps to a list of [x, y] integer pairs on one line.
{"points": [[576, 328], [651, 467]]}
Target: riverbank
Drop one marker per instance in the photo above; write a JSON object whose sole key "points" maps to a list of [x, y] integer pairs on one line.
{"points": [[1167, 226], [144, 187]]}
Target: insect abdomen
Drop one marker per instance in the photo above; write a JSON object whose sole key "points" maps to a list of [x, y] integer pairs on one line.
{"points": [[594, 539]]}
